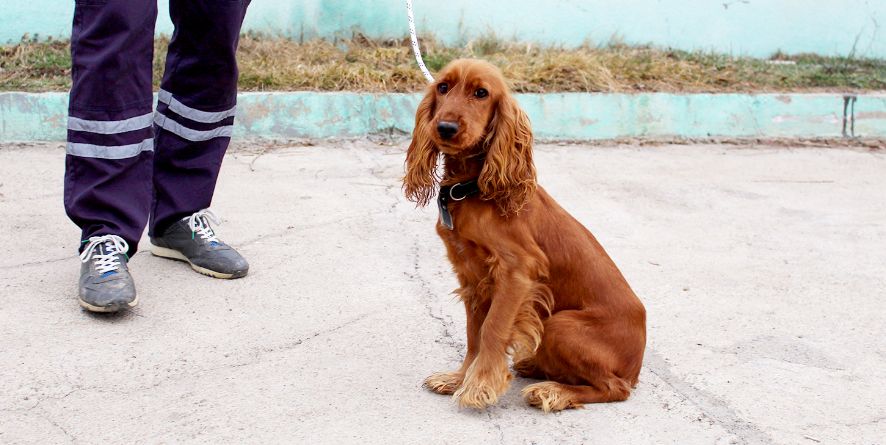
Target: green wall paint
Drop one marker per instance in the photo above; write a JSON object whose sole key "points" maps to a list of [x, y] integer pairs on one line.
{"points": [[741, 27]]}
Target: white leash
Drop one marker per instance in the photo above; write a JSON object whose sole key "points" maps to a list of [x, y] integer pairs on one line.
{"points": [[415, 49]]}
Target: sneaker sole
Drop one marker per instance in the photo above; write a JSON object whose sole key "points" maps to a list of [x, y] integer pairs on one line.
{"points": [[107, 309], [171, 254]]}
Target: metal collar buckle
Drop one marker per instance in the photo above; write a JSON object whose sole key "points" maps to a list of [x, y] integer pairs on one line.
{"points": [[451, 196]]}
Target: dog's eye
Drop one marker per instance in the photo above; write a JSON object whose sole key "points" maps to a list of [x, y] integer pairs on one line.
{"points": [[481, 93], [442, 88]]}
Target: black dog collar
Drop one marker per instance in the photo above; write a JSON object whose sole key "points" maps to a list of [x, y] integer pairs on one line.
{"points": [[454, 192]]}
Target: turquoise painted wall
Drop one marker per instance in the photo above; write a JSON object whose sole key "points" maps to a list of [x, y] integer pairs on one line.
{"points": [[740, 27], [572, 116]]}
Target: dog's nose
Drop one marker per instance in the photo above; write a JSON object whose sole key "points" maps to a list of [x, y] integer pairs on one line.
{"points": [[447, 129]]}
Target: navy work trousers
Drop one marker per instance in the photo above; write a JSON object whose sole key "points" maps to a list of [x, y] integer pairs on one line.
{"points": [[125, 162]]}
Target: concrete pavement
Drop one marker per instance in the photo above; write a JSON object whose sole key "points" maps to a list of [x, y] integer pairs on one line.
{"points": [[762, 270]]}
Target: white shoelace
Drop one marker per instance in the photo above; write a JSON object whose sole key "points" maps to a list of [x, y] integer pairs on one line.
{"points": [[199, 224], [107, 261]]}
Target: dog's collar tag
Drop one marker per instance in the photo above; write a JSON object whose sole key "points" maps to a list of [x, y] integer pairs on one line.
{"points": [[454, 192]]}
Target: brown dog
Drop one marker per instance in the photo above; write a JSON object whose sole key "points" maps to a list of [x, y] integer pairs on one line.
{"points": [[535, 283]]}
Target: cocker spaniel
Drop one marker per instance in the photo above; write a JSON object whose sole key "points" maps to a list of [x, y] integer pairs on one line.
{"points": [[536, 285]]}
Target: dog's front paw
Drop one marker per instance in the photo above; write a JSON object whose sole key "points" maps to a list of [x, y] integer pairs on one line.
{"points": [[482, 388], [476, 396], [444, 382]]}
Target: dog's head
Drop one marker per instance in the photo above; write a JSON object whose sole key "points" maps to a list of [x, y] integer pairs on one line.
{"points": [[469, 111]]}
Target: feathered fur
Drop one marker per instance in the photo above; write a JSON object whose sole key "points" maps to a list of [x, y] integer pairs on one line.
{"points": [[536, 285]]}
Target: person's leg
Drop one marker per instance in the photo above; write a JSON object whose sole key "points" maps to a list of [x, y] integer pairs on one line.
{"points": [[110, 142], [194, 119], [195, 114], [110, 139]]}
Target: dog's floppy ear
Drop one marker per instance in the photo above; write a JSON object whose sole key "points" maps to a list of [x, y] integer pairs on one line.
{"points": [[508, 174], [421, 158]]}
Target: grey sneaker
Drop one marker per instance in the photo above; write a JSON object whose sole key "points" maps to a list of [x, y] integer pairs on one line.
{"points": [[105, 282], [192, 239]]}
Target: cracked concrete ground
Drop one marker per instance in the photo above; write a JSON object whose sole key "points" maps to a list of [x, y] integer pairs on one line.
{"points": [[762, 270]]}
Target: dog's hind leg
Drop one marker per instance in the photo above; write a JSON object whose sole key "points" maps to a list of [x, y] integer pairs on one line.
{"points": [[589, 360], [527, 367], [552, 396]]}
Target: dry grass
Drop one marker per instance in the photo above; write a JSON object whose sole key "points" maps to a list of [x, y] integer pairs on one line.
{"points": [[361, 64]]}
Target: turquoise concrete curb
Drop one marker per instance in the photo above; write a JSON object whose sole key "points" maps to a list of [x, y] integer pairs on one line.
{"points": [[571, 116]]}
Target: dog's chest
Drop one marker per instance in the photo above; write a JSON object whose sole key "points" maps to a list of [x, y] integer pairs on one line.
{"points": [[468, 258]]}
